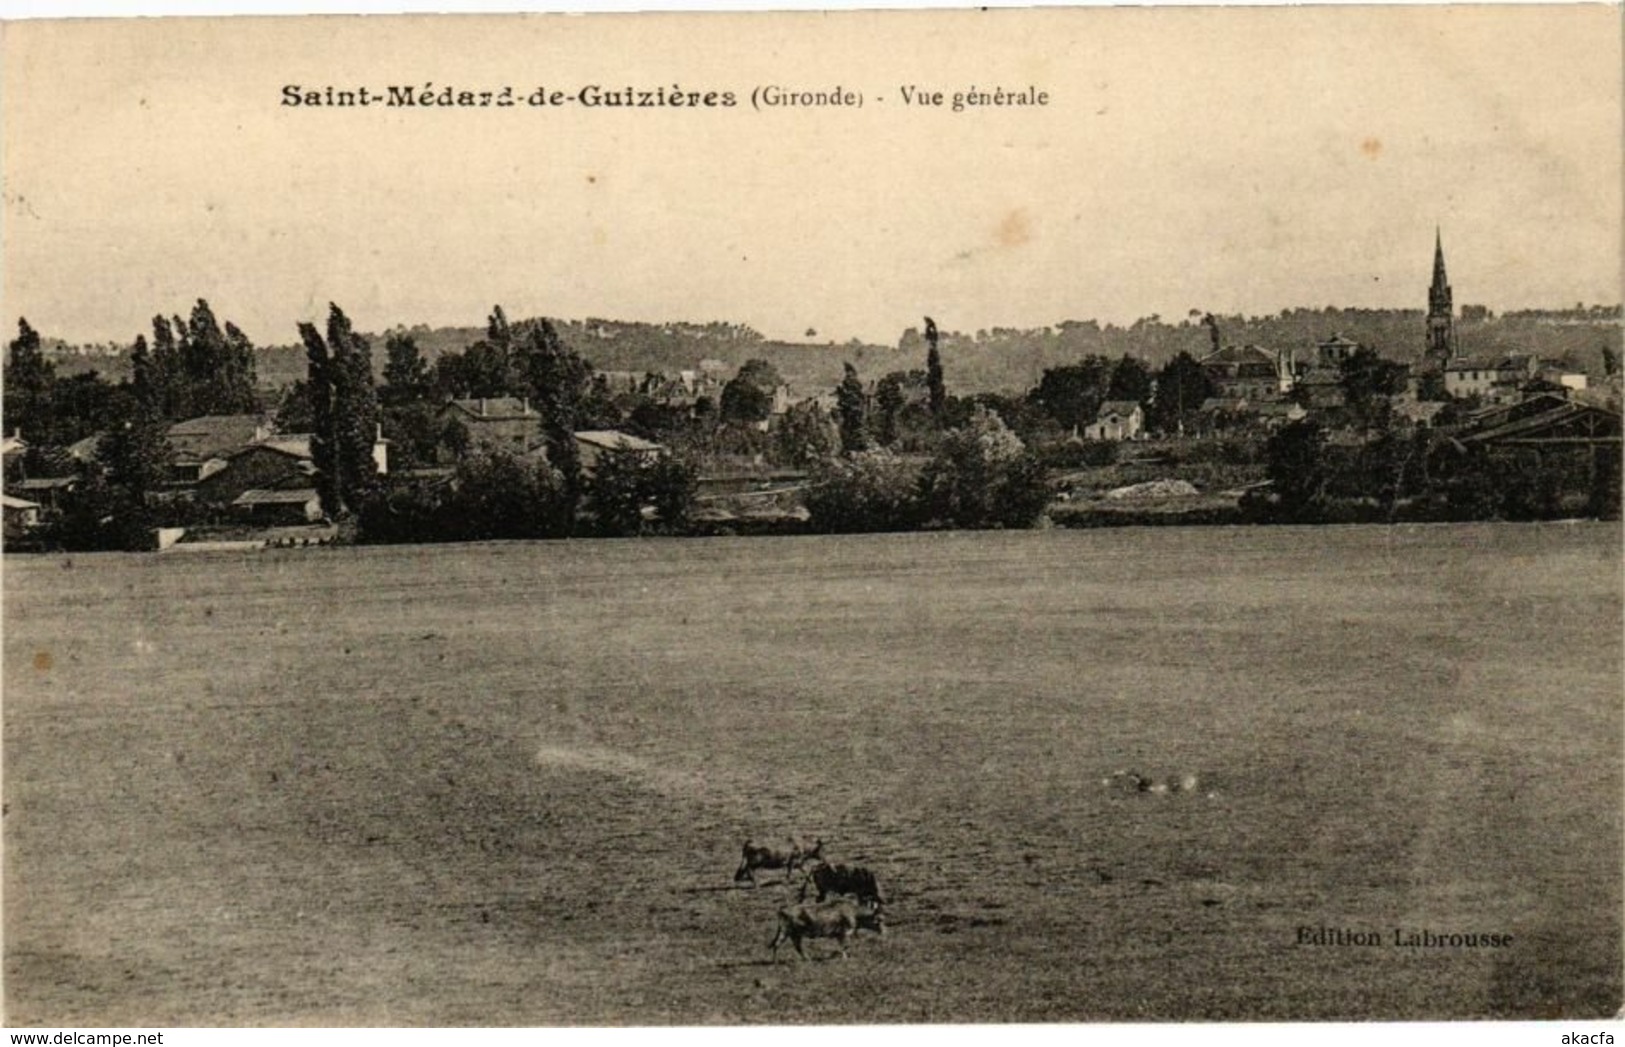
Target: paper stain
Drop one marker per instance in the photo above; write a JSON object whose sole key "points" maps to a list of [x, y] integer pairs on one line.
{"points": [[1015, 229], [1371, 147], [42, 661]]}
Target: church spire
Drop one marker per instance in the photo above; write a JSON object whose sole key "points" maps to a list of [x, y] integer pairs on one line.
{"points": [[1441, 344], [1441, 283]]}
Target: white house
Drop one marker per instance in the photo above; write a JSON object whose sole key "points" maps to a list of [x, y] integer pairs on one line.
{"points": [[1116, 420]]}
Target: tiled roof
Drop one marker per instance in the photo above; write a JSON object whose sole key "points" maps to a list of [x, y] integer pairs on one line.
{"points": [[214, 435], [613, 440], [1239, 354], [259, 496]]}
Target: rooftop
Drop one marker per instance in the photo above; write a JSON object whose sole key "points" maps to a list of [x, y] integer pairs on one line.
{"points": [[258, 496], [614, 440]]}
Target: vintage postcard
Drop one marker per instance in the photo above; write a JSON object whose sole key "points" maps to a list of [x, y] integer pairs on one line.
{"points": [[1006, 516]]}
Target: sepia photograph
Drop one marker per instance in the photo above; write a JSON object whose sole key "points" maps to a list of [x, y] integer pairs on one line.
{"points": [[813, 518]]}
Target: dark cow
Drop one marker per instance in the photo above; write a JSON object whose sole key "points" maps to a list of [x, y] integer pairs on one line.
{"points": [[839, 920], [789, 859], [853, 880]]}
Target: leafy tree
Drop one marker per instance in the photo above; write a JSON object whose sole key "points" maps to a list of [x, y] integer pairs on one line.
{"points": [[218, 364], [983, 476], [110, 509], [1072, 394], [1297, 468], [1130, 380], [863, 491], [456, 438], [1429, 387], [167, 372], [1181, 387], [406, 376], [481, 370], [851, 406], [889, 400], [748, 396], [557, 378], [504, 495], [87, 403], [624, 486], [414, 432], [1368, 380], [136, 456], [804, 435], [296, 412]]}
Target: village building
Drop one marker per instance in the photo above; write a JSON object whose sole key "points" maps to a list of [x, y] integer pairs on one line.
{"points": [[267, 508], [1331, 352], [1279, 413], [87, 451], [218, 457], [20, 515], [48, 491], [272, 464], [1416, 412], [1321, 389], [1117, 420], [594, 445], [1249, 372], [200, 446], [12, 448], [1559, 375], [1498, 379], [497, 422], [1548, 421]]}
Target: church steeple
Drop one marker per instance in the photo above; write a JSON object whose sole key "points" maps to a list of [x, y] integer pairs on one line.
{"points": [[1441, 344]]}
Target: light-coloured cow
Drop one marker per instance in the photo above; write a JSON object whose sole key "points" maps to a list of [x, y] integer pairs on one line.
{"points": [[839, 920]]}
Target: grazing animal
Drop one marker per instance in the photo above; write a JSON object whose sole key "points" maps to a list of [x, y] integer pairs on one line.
{"points": [[839, 920], [789, 859], [853, 880]]}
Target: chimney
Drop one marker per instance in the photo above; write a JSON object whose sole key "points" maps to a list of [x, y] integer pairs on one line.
{"points": [[524, 406], [482, 407]]}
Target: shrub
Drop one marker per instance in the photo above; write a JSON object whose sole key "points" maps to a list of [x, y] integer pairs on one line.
{"points": [[982, 476], [625, 486], [865, 491]]}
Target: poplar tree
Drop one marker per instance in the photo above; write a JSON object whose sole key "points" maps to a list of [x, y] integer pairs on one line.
{"points": [[30, 378], [933, 371], [849, 402], [344, 410]]}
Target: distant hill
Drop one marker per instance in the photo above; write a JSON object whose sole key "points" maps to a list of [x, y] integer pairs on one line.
{"points": [[998, 360]]}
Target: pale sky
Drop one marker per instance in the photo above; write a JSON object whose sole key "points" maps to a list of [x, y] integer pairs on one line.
{"points": [[1231, 160]]}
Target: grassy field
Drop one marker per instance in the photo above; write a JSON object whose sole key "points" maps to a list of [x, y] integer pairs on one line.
{"points": [[508, 784]]}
